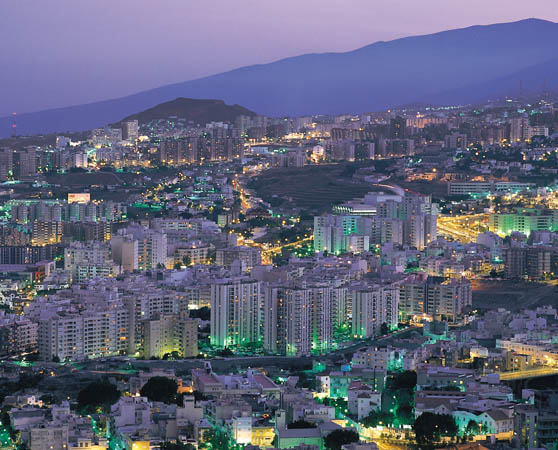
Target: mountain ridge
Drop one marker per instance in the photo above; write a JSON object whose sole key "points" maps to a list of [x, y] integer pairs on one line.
{"points": [[373, 77]]}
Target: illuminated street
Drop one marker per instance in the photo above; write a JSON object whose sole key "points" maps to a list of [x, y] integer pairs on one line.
{"points": [[531, 373], [463, 228]]}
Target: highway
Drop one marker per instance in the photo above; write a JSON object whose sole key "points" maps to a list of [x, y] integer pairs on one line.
{"points": [[464, 228], [533, 373], [275, 250]]}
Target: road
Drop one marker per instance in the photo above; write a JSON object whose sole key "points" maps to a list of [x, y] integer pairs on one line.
{"points": [[276, 250], [533, 373], [463, 228], [384, 446]]}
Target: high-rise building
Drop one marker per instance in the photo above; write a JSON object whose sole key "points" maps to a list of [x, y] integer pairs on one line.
{"points": [[286, 323], [396, 147], [130, 130], [435, 296], [321, 318], [532, 262], [250, 257], [456, 141], [25, 164], [6, 163], [125, 252], [168, 333], [235, 313], [151, 247], [519, 129], [340, 234], [536, 425], [89, 260], [373, 306], [173, 153], [45, 233], [398, 128], [447, 299]]}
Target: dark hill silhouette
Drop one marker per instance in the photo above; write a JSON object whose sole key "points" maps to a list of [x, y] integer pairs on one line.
{"points": [[198, 111]]}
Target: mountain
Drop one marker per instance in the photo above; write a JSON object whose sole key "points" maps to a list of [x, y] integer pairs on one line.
{"points": [[533, 79], [447, 66], [198, 111]]}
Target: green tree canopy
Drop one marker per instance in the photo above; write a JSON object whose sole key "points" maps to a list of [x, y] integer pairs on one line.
{"points": [[160, 389], [301, 423], [405, 380], [216, 439], [405, 414], [376, 418], [430, 428], [336, 439], [176, 446], [472, 428], [98, 394], [384, 329]]}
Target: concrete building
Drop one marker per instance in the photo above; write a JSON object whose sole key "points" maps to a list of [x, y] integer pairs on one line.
{"points": [[124, 250], [166, 334], [130, 130], [286, 325], [151, 247], [89, 260], [373, 306], [235, 312], [249, 257]]}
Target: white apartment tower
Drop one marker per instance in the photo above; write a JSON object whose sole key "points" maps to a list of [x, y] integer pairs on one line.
{"points": [[235, 312]]}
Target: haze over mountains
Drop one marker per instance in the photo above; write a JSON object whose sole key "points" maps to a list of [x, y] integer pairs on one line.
{"points": [[458, 66]]}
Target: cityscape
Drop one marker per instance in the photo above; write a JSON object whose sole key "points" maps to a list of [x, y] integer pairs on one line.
{"points": [[198, 274]]}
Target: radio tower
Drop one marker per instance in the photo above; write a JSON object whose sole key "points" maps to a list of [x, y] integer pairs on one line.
{"points": [[14, 126]]}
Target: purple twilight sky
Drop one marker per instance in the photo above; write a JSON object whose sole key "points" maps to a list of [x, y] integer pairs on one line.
{"points": [[64, 52]]}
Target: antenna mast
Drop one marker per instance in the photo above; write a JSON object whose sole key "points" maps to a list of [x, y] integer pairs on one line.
{"points": [[14, 126]]}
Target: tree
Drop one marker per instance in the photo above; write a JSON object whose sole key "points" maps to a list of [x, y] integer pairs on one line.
{"points": [[98, 394], [301, 423], [225, 352], [216, 439], [48, 399], [160, 389], [199, 396], [376, 418], [430, 428], [176, 446], [384, 329], [187, 260], [405, 415], [405, 380], [336, 439], [172, 355], [472, 428], [304, 381]]}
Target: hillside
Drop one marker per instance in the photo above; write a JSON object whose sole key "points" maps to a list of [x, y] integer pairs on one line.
{"points": [[198, 111], [446, 67]]}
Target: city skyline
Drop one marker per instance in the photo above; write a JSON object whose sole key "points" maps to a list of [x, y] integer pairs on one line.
{"points": [[333, 251]]}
